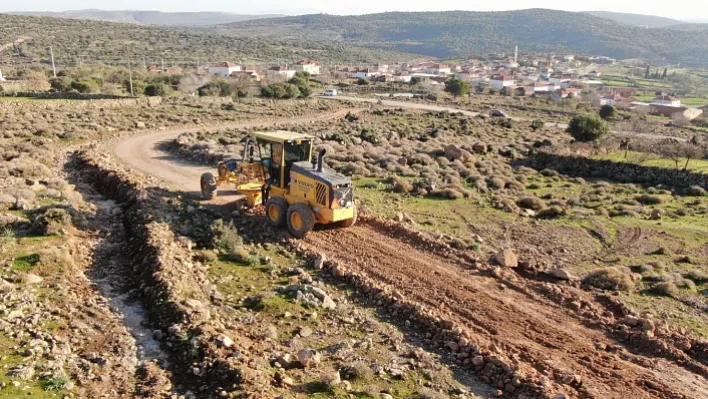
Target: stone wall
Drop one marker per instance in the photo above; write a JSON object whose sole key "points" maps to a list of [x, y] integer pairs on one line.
{"points": [[579, 166]]}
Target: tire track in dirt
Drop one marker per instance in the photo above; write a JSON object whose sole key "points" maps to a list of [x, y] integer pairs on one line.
{"points": [[538, 333]]}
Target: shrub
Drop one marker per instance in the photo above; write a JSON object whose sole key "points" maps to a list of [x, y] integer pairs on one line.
{"points": [[224, 237], [363, 82], [449, 193], [667, 288], [533, 203], [587, 128], [610, 278], [53, 221], [647, 199], [536, 124], [608, 112], [401, 185], [698, 276], [155, 90], [550, 213], [357, 371], [697, 191]]}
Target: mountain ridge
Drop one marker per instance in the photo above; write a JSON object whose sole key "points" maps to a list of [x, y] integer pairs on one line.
{"points": [[454, 34], [200, 18]]}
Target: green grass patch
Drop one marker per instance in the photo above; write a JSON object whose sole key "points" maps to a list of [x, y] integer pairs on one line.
{"points": [[25, 263], [36, 387]]}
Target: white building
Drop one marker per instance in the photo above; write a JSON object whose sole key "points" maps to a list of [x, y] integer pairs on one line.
{"points": [[281, 71], [1, 77], [308, 66], [438, 69], [500, 81], [667, 100], [224, 69]]}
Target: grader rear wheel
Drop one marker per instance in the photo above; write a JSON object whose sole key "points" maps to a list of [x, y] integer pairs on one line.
{"points": [[209, 186], [300, 220]]}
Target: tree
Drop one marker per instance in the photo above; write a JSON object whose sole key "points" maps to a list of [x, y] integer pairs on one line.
{"points": [[646, 74], [363, 82], [155, 90], [666, 70], [280, 90], [415, 80], [587, 127], [60, 84], [608, 112], [457, 87], [304, 83]]}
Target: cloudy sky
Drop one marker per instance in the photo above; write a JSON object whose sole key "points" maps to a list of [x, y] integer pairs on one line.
{"points": [[679, 9]]}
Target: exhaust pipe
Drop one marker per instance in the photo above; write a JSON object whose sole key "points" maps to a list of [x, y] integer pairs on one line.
{"points": [[320, 160]]}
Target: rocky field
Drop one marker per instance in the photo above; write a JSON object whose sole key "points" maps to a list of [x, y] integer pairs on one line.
{"points": [[470, 274]]}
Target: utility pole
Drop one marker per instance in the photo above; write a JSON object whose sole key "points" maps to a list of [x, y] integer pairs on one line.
{"points": [[54, 68], [144, 64], [163, 63], [130, 77]]}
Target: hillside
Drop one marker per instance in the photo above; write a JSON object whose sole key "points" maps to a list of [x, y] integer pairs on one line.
{"points": [[461, 33], [648, 21], [83, 41], [150, 17]]}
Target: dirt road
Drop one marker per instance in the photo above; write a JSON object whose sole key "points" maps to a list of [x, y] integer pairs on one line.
{"points": [[141, 151], [519, 322]]}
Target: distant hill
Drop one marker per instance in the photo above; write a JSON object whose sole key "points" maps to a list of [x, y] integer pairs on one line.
{"points": [[83, 41], [649, 21], [151, 17], [454, 34]]}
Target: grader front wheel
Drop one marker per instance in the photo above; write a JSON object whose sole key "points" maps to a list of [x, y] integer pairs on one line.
{"points": [[276, 211], [209, 186], [300, 220]]}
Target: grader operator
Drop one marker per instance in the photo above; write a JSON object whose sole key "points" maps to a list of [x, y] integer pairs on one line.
{"points": [[278, 170]]}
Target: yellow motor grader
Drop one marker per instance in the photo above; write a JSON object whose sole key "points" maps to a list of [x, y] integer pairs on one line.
{"points": [[278, 170]]}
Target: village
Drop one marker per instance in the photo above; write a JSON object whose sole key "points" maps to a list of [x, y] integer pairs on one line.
{"points": [[552, 77]]}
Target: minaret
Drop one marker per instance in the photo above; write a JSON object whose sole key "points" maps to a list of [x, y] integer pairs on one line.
{"points": [[516, 54]]}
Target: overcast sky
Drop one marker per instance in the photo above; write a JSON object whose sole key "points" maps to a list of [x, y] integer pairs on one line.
{"points": [[679, 9]]}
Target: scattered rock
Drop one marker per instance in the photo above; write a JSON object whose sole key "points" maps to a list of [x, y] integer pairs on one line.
{"points": [[224, 341], [328, 303], [140, 125], [562, 274], [478, 360], [507, 258], [305, 331], [320, 262], [308, 357], [32, 279], [631, 320], [25, 373]]}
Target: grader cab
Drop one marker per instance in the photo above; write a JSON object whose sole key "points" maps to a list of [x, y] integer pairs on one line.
{"points": [[278, 171]]}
